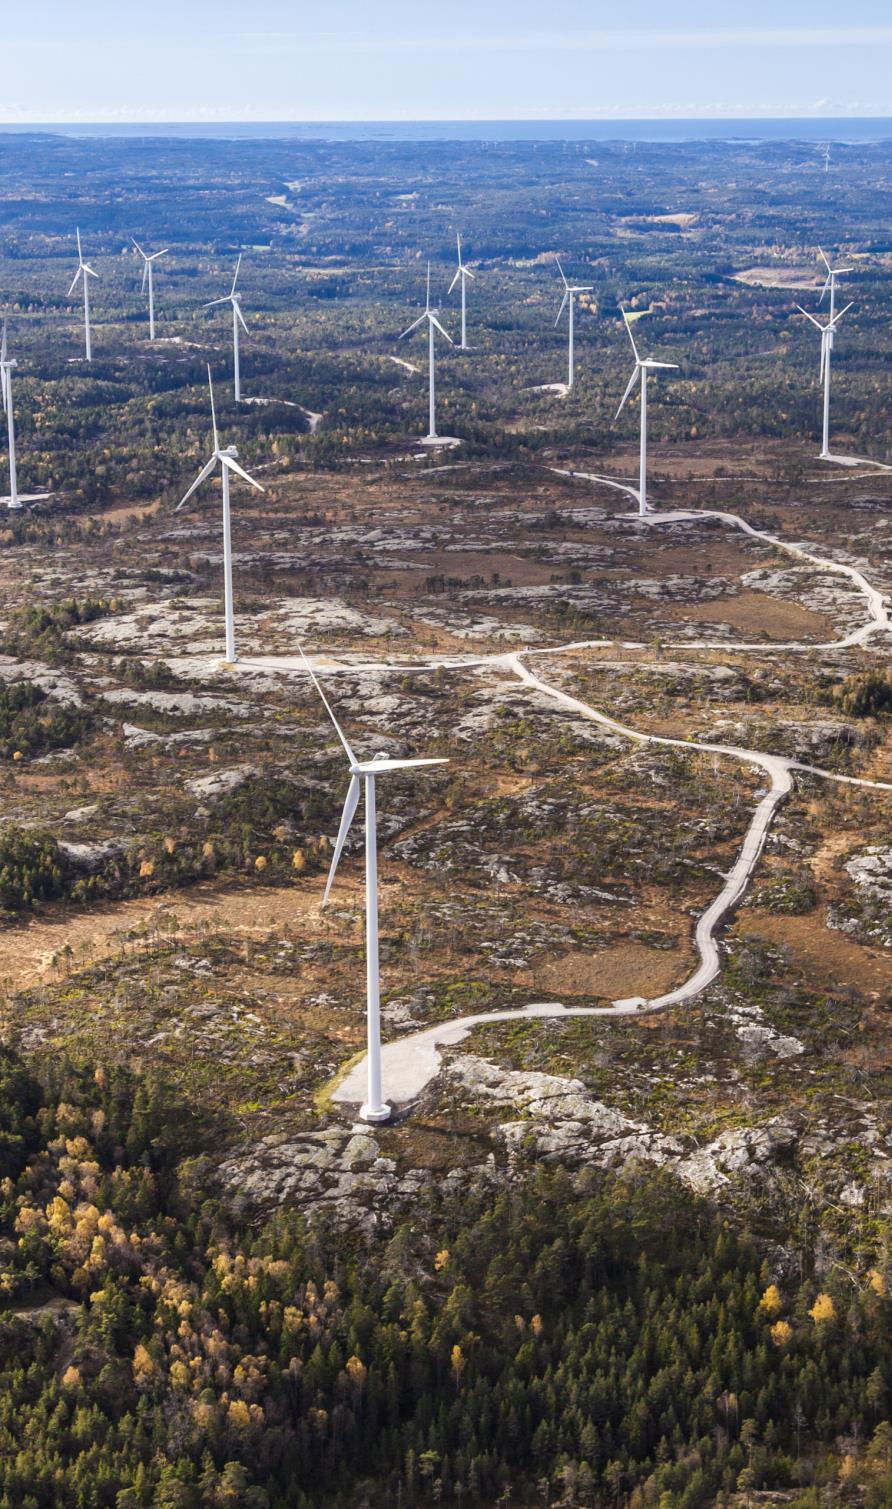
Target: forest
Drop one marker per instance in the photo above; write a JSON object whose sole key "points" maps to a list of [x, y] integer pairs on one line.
{"points": [[715, 242], [574, 1342]]}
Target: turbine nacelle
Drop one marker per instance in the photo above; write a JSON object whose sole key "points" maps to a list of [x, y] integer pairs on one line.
{"points": [[428, 313], [382, 764], [832, 274], [84, 270], [642, 364], [462, 272], [828, 331], [225, 456], [570, 290]]}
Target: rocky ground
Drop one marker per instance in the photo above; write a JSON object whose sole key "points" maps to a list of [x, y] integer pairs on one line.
{"points": [[552, 859]]}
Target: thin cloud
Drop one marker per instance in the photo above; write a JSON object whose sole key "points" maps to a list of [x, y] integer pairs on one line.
{"points": [[612, 40]]}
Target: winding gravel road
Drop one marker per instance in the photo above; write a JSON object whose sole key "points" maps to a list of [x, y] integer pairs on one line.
{"points": [[411, 1062]]}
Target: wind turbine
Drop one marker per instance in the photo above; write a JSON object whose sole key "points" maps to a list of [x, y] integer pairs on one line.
{"points": [[570, 292], [149, 260], [85, 271], [226, 456], [641, 369], [432, 324], [828, 332], [462, 274], [830, 282], [6, 367], [238, 318], [365, 773]]}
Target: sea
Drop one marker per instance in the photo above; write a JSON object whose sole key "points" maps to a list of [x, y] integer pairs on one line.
{"points": [[853, 130]]}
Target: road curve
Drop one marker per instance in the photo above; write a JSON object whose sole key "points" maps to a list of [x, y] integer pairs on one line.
{"points": [[411, 1062]]}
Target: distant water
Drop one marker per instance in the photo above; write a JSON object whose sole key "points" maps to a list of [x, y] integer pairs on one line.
{"points": [[854, 129]]}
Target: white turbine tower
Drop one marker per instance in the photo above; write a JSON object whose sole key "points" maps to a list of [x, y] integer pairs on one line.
{"points": [[85, 271], [7, 364], [570, 292], [641, 369], [149, 259], [432, 324], [238, 318], [462, 274], [365, 773], [226, 457], [828, 332]]}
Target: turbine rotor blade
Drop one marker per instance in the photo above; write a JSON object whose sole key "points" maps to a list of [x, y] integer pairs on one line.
{"points": [[414, 325], [628, 325], [325, 702], [625, 398], [235, 277], [233, 466], [436, 323], [561, 310], [145, 274], [561, 271], [817, 324], [239, 316], [137, 245], [213, 410], [453, 283], [837, 317], [74, 282], [202, 477], [376, 767], [350, 804]]}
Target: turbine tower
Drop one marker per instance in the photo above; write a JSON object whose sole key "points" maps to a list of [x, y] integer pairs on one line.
{"points": [[462, 274], [226, 456], [149, 259], [641, 369], [432, 324], [85, 271], [7, 364], [238, 318], [828, 332], [365, 773], [570, 292]]}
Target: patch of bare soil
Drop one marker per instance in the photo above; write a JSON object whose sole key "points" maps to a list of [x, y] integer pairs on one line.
{"points": [[778, 277], [819, 955], [624, 969], [756, 613], [28, 948]]}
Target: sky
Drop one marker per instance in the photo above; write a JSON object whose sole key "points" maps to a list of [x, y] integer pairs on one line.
{"points": [[341, 60]]}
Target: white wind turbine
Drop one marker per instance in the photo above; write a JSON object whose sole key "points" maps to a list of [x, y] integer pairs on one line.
{"points": [[149, 259], [7, 364], [365, 773], [226, 457], [462, 274], [830, 282], [570, 292], [85, 271], [828, 332], [238, 318], [432, 324], [641, 369]]}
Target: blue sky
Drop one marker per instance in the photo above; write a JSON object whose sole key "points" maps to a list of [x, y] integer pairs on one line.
{"points": [[463, 59]]}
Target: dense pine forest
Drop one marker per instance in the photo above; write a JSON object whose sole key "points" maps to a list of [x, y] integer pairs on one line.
{"points": [[598, 1341]]}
